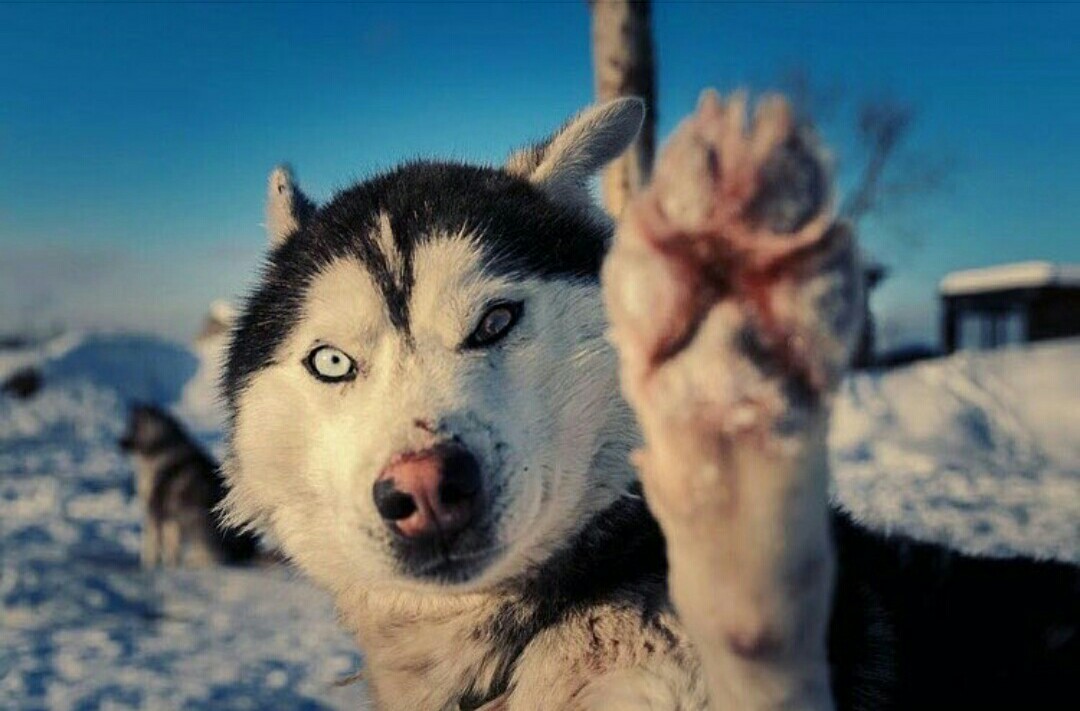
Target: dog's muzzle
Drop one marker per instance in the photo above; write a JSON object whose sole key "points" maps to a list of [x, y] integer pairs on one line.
{"points": [[432, 493], [433, 502]]}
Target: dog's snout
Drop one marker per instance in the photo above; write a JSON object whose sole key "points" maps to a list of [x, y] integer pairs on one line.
{"points": [[433, 492]]}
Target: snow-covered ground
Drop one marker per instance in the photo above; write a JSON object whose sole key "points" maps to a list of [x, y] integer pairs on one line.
{"points": [[81, 626], [979, 450]]}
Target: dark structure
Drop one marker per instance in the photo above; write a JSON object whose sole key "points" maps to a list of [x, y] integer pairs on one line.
{"points": [[865, 352], [1009, 304]]}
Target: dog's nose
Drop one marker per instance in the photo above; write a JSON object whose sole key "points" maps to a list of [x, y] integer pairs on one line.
{"points": [[429, 492]]}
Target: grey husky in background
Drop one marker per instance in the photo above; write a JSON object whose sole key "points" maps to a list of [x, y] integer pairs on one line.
{"points": [[426, 414], [178, 486]]}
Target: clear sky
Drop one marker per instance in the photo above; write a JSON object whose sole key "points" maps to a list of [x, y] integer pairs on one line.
{"points": [[135, 138]]}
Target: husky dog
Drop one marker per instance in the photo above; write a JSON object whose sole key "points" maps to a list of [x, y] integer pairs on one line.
{"points": [[426, 414], [178, 485]]}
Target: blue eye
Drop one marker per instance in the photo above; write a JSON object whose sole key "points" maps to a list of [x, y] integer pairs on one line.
{"points": [[495, 324], [330, 365]]}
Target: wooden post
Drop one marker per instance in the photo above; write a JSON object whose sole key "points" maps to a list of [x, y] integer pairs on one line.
{"points": [[624, 65]]}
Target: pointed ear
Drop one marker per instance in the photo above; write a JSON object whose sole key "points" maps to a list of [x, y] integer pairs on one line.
{"points": [[563, 164], [287, 208]]}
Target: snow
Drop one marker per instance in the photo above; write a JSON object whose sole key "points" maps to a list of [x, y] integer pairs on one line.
{"points": [[979, 450], [81, 626], [200, 404], [1021, 275]]}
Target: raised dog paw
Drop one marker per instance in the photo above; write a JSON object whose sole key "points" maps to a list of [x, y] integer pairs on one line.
{"points": [[734, 296], [734, 299]]}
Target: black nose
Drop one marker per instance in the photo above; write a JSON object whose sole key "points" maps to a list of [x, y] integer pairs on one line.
{"points": [[461, 477], [429, 492]]}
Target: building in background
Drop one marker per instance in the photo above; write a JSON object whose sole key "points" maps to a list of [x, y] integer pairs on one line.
{"points": [[1009, 304]]}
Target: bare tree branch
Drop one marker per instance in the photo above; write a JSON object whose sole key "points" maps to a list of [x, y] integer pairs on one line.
{"points": [[881, 126]]}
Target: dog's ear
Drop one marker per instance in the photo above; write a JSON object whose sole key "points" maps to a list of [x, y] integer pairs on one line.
{"points": [[287, 208], [563, 164], [126, 440]]}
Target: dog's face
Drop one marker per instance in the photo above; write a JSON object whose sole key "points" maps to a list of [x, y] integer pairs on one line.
{"points": [[148, 428], [420, 386]]}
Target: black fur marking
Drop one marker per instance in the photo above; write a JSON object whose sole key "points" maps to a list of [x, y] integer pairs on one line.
{"points": [[436, 558], [158, 446], [618, 557], [151, 431], [520, 229], [916, 625], [396, 286], [189, 461]]}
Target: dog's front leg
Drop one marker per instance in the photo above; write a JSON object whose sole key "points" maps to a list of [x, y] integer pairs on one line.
{"points": [[150, 551], [734, 298]]}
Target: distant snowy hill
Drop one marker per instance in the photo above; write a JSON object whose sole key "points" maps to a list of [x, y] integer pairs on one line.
{"points": [[981, 450]]}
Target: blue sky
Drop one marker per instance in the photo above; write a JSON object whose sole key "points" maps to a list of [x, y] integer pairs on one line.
{"points": [[135, 138]]}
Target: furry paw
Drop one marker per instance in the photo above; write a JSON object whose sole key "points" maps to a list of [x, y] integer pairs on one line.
{"points": [[734, 296], [734, 300]]}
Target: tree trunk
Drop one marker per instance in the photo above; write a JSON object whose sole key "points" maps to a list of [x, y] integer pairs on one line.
{"points": [[624, 65]]}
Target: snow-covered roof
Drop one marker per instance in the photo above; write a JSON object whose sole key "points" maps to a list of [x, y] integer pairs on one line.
{"points": [[1021, 275]]}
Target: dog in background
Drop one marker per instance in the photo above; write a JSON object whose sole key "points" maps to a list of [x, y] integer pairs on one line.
{"points": [[179, 486]]}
